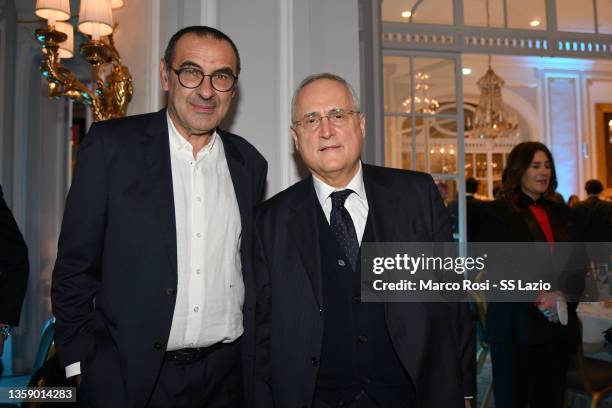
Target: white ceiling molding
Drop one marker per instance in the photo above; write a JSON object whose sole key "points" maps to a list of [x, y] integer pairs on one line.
{"points": [[496, 41]]}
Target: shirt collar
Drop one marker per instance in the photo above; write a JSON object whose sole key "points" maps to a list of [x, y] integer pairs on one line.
{"points": [[323, 190], [178, 142], [525, 200]]}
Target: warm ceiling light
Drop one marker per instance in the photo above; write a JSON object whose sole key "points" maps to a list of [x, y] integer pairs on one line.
{"points": [[116, 4], [406, 14], [534, 23], [466, 71]]}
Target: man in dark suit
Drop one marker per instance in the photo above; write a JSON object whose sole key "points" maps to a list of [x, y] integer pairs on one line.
{"points": [[318, 345], [594, 214], [154, 270], [14, 268], [473, 206]]}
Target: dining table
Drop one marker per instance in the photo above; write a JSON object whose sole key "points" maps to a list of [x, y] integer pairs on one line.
{"points": [[596, 318]]}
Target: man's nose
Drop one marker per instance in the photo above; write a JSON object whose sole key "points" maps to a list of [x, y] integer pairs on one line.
{"points": [[206, 89], [326, 128]]}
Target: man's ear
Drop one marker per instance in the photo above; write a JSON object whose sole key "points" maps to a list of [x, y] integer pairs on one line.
{"points": [[163, 76], [294, 135], [362, 125]]}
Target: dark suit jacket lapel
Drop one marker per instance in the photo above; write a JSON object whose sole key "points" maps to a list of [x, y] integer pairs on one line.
{"points": [[242, 186], [382, 206], [156, 147], [405, 321], [304, 232]]}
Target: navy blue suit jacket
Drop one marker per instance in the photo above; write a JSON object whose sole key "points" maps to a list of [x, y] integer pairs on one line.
{"points": [[14, 266], [434, 341], [115, 278]]}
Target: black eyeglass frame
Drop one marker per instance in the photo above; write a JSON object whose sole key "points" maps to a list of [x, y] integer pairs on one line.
{"points": [[178, 75], [347, 112]]}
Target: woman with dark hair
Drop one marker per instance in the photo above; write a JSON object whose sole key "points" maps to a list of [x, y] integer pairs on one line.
{"points": [[573, 201], [530, 347]]}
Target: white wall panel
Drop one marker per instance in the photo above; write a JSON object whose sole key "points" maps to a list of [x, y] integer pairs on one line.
{"points": [[564, 130], [322, 36]]}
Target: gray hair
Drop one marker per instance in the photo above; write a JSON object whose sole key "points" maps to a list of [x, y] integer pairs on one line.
{"points": [[324, 75]]}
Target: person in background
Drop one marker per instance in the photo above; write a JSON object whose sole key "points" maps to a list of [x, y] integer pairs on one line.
{"points": [[595, 214], [152, 287], [496, 192], [318, 344], [443, 190], [573, 201], [530, 347], [14, 269], [558, 198], [472, 205]]}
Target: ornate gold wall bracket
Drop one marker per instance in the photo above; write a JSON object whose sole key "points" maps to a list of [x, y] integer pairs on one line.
{"points": [[110, 95]]}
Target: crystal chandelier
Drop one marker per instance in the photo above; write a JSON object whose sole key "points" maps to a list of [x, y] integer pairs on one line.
{"points": [[422, 102], [492, 119], [112, 93]]}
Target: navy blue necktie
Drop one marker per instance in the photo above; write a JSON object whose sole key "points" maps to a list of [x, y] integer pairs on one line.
{"points": [[342, 226]]}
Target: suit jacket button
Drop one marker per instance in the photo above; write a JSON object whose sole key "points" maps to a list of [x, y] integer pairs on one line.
{"points": [[363, 339], [314, 361], [341, 262], [157, 346], [170, 291]]}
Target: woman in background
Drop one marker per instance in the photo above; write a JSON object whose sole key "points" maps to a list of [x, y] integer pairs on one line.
{"points": [[573, 201], [530, 347]]}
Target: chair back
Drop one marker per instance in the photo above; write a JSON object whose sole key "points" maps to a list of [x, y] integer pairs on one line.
{"points": [[46, 347]]}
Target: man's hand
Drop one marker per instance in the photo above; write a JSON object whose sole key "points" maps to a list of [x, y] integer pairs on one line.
{"points": [[77, 378], [468, 403]]}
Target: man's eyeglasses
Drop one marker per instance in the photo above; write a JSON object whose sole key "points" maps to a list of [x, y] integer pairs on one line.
{"points": [[337, 117], [191, 78]]}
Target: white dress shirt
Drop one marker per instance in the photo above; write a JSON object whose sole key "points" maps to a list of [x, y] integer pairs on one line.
{"points": [[356, 204], [210, 291]]}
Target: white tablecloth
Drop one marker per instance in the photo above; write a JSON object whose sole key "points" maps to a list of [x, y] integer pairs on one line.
{"points": [[596, 318]]}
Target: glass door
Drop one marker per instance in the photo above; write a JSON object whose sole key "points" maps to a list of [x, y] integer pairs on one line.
{"points": [[421, 92]]}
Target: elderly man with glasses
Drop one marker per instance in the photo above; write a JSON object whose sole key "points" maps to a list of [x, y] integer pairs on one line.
{"points": [[152, 284], [318, 344]]}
